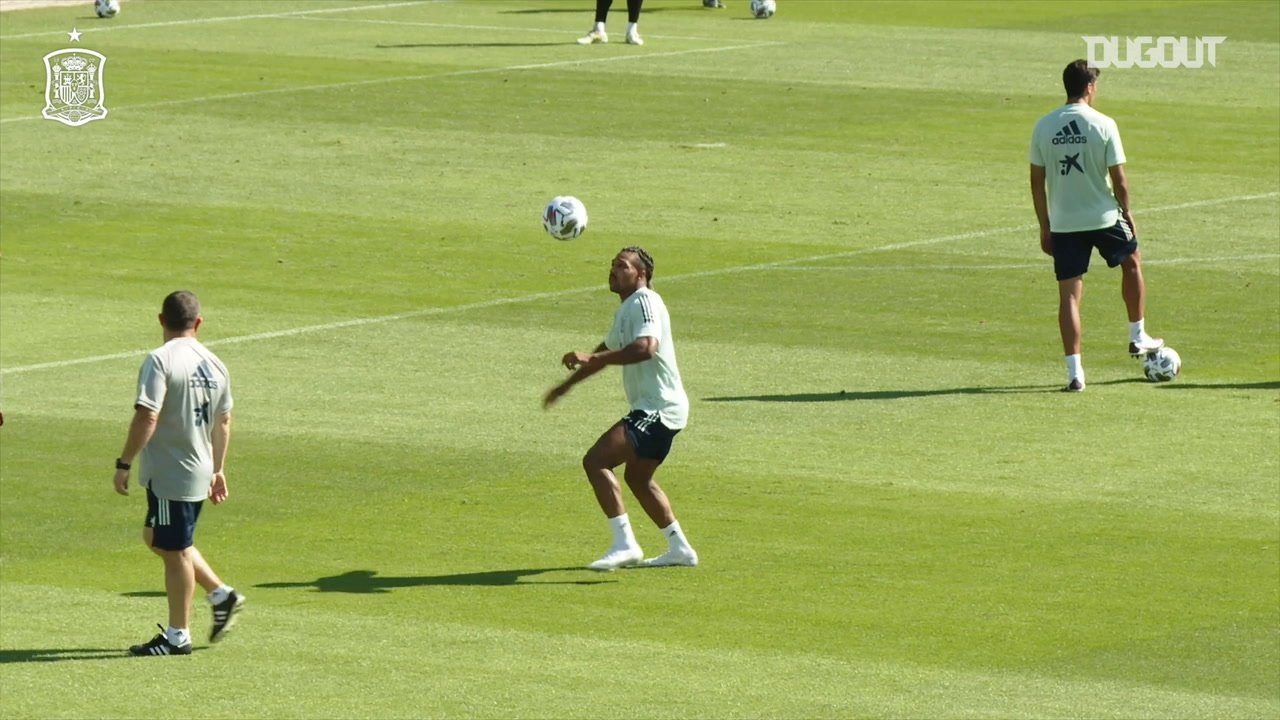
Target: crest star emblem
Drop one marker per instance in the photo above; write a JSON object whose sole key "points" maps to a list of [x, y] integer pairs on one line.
{"points": [[74, 35], [74, 91]]}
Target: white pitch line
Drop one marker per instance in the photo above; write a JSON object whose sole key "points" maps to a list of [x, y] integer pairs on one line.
{"points": [[356, 322], [1146, 261], [500, 28], [452, 309], [409, 78], [1015, 228], [221, 18]]}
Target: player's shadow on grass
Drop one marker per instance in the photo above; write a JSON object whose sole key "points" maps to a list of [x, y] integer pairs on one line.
{"points": [[994, 390], [1272, 385], [476, 45], [1178, 385], [144, 594], [9, 655], [620, 8], [368, 581], [885, 394]]}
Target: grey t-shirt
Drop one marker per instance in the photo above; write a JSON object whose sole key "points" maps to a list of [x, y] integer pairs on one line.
{"points": [[190, 388]]}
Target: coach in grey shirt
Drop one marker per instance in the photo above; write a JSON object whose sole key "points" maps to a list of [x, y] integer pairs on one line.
{"points": [[181, 427]]}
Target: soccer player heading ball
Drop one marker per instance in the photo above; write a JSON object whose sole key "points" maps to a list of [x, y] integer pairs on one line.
{"points": [[640, 341]]}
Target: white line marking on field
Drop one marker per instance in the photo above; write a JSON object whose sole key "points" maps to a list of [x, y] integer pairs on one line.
{"points": [[223, 18], [408, 78], [452, 309], [500, 28], [705, 146], [1047, 263]]}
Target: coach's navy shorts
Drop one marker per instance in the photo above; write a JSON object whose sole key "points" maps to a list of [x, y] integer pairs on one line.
{"points": [[646, 433], [1071, 250], [174, 522]]}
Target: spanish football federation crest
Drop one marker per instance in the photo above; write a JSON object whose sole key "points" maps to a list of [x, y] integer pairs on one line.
{"points": [[73, 90]]}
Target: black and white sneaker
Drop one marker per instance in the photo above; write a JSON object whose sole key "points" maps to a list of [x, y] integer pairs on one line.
{"points": [[1076, 385], [160, 645], [1145, 345], [224, 615], [712, 4]]}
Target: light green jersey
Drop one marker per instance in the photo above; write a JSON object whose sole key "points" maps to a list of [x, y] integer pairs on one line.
{"points": [[1076, 144], [652, 385]]}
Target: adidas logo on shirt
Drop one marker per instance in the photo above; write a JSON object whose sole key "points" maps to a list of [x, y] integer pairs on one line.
{"points": [[1070, 135]]}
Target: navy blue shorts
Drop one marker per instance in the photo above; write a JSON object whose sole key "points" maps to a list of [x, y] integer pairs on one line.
{"points": [[1071, 250], [647, 435], [174, 522]]}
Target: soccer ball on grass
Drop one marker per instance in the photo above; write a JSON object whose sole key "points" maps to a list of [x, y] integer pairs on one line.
{"points": [[106, 8], [565, 217], [764, 8], [1161, 365]]}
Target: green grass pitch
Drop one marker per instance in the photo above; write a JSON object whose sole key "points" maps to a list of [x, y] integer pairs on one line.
{"points": [[898, 515]]}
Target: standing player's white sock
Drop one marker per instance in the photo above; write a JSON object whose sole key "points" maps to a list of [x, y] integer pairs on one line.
{"points": [[177, 636], [599, 27], [1075, 369], [1136, 331], [219, 594], [631, 28], [675, 536], [623, 536]]}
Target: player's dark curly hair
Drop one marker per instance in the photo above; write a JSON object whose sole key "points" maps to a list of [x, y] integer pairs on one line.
{"points": [[645, 259]]}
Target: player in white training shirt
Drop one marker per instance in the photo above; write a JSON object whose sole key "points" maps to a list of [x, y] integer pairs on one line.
{"points": [[181, 427], [640, 341], [1076, 152]]}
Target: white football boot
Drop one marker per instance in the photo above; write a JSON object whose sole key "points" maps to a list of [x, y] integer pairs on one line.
{"points": [[618, 557], [1145, 344], [685, 556]]}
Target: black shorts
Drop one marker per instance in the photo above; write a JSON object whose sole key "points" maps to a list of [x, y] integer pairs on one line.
{"points": [[174, 522], [1071, 250], [647, 435]]}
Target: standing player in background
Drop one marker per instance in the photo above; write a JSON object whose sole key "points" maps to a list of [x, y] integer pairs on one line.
{"points": [[181, 426], [640, 341], [1086, 206], [598, 35]]}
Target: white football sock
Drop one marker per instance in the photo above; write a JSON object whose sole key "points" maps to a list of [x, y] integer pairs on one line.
{"points": [[1075, 369], [599, 27], [177, 636], [1136, 331], [622, 533], [675, 536], [219, 594], [631, 28]]}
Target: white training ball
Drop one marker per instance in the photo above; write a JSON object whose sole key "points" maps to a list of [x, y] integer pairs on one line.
{"points": [[565, 217], [1161, 365], [106, 8], [764, 8]]}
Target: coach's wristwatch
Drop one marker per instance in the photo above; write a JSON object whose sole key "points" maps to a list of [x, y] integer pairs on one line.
{"points": [[122, 465]]}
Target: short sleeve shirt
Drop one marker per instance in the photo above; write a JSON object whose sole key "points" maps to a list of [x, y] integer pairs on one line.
{"points": [[1076, 145], [653, 385], [189, 387]]}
